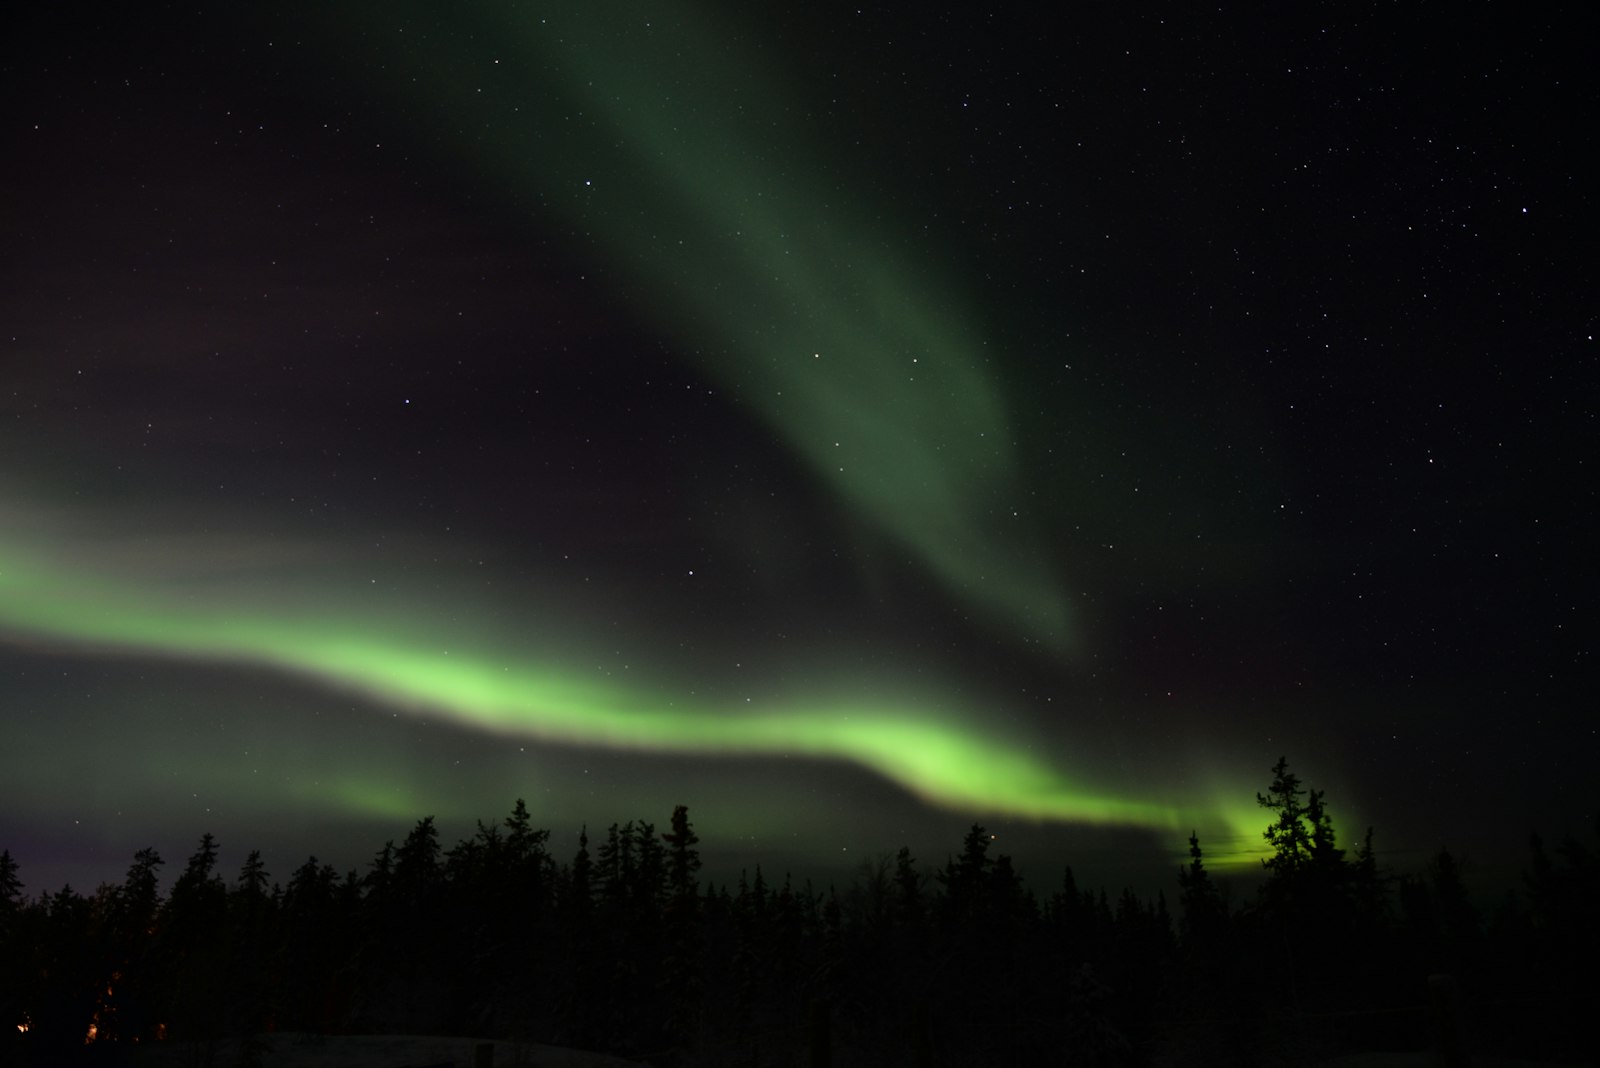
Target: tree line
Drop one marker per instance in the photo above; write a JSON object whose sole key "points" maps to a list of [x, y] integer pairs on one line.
{"points": [[621, 948]]}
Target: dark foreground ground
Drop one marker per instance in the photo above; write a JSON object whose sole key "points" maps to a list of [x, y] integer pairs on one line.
{"points": [[293, 1050], [423, 1051]]}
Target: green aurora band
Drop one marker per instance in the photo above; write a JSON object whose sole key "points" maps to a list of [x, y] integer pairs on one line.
{"points": [[674, 150], [706, 190], [929, 754]]}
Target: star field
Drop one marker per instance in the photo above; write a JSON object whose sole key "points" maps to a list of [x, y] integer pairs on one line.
{"points": [[849, 424]]}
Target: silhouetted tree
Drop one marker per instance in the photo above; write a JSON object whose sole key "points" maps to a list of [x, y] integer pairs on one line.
{"points": [[682, 977], [1368, 888], [380, 875], [314, 943], [580, 882], [131, 926], [580, 996], [908, 886], [1200, 926], [1287, 833], [13, 966], [10, 884], [252, 922], [1322, 848], [1439, 916], [524, 842], [192, 952], [869, 904], [964, 877], [417, 874], [67, 973], [617, 863], [683, 860], [651, 872]]}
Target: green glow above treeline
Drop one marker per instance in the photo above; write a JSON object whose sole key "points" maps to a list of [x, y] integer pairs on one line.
{"points": [[948, 760], [718, 208]]}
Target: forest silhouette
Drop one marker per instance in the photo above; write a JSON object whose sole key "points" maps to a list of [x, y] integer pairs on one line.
{"points": [[620, 948]]}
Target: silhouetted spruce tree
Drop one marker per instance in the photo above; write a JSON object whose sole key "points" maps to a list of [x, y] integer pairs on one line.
{"points": [[131, 925], [1561, 896], [12, 958], [1322, 850], [10, 888], [422, 936], [376, 951], [1440, 919], [1200, 925], [313, 942], [719, 1011], [615, 865], [192, 952], [683, 859], [1064, 907], [867, 986], [1291, 848], [1008, 906], [785, 933], [869, 903], [617, 869], [759, 895], [466, 863], [471, 951], [632, 874], [908, 882], [525, 845], [1097, 931], [66, 971], [1287, 834], [1361, 929], [527, 890], [252, 881], [380, 875], [651, 874], [581, 1000], [1008, 965], [645, 934], [1564, 926], [251, 922], [1142, 940], [964, 879], [1307, 911], [745, 963], [1077, 929], [499, 891], [1326, 891], [1369, 893], [1212, 998], [682, 977], [417, 873], [580, 885]]}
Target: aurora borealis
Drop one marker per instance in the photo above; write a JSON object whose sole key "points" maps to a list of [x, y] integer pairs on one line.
{"points": [[941, 761], [848, 424]]}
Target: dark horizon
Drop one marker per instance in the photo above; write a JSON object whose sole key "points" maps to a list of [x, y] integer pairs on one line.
{"points": [[627, 950], [1107, 865]]}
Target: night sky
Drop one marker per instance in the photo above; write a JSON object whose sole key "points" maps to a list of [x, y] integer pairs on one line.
{"points": [[852, 423]]}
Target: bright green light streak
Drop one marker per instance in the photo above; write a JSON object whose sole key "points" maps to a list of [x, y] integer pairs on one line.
{"points": [[672, 148], [928, 753]]}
